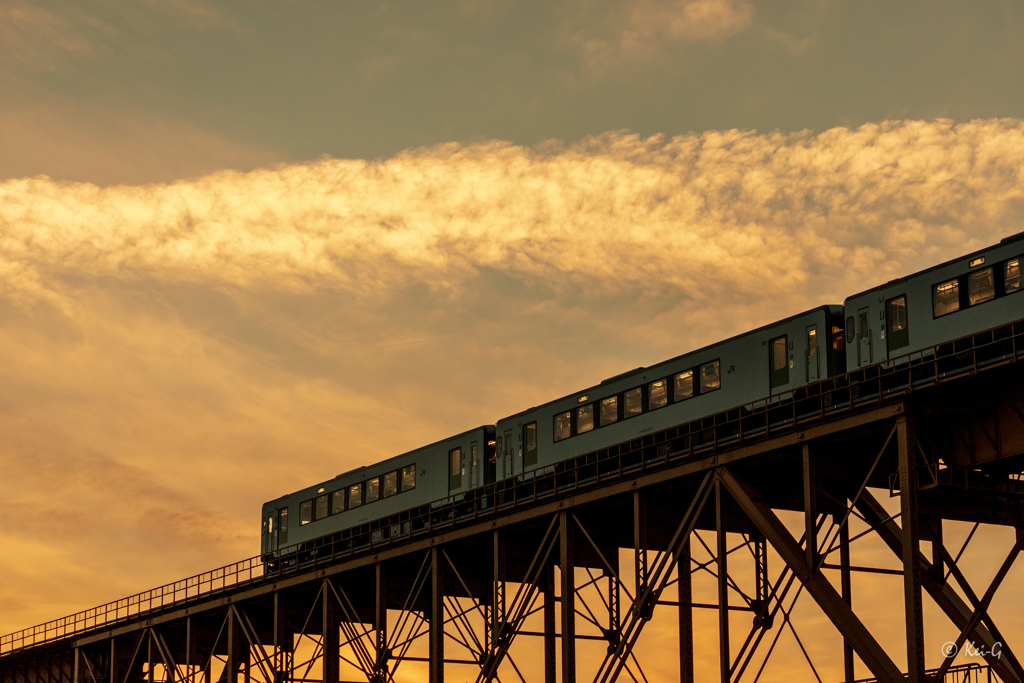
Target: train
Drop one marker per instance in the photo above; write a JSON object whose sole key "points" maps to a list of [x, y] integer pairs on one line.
{"points": [[900, 321]]}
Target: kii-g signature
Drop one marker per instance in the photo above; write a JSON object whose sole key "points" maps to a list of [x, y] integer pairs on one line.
{"points": [[950, 649]]}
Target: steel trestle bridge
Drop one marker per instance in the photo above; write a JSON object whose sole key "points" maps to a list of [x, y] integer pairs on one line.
{"points": [[583, 556]]}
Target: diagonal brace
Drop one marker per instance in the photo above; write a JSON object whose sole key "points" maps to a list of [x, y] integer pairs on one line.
{"points": [[940, 591], [870, 652]]}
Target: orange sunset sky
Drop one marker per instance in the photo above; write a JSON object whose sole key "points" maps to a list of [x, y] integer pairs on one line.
{"points": [[246, 246]]}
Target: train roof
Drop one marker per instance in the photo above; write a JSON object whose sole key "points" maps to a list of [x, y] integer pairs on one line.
{"points": [[382, 465], [1018, 237], [828, 308]]}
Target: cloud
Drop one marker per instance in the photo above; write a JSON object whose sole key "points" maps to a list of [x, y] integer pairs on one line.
{"points": [[702, 214]]}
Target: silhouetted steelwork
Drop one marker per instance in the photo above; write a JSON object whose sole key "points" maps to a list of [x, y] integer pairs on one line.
{"points": [[508, 585]]}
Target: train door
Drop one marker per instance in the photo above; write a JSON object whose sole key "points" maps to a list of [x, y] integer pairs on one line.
{"points": [[863, 337], [500, 457], [509, 450], [282, 528], [812, 353], [474, 464]]}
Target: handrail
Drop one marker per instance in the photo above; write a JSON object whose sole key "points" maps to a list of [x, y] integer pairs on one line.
{"points": [[834, 396]]}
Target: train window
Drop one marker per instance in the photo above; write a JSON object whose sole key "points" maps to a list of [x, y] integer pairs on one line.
{"points": [[682, 385], [338, 501], [563, 425], [530, 444], [355, 496], [981, 286], [390, 484], [1011, 282], [372, 489], [585, 418], [321, 506], [946, 298], [473, 454], [455, 468], [710, 376], [778, 362], [306, 512], [408, 477], [633, 402], [657, 395], [849, 330], [282, 526], [896, 321], [609, 410]]}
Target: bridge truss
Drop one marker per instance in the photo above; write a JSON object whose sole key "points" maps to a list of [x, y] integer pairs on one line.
{"points": [[559, 576]]}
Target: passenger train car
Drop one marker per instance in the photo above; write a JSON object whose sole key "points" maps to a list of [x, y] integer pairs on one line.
{"points": [[450, 467], [923, 310], [898, 322], [763, 363]]}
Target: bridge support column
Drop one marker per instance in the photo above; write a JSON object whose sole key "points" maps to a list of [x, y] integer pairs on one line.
{"points": [[725, 660], [847, 595], [331, 639], [380, 622], [550, 628], [436, 617], [685, 584], [568, 569], [907, 449]]}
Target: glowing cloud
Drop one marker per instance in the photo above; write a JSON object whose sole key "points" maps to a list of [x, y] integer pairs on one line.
{"points": [[729, 210]]}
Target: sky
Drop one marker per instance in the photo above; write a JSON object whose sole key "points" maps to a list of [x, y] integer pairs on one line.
{"points": [[246, 246]]}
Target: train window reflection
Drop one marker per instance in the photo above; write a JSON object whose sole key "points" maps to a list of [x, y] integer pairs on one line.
{"points": [[355, 496], [338, 501], [321, 506], [563, 426], [683, 385], [658, 394], [946, 298], [981, 286], [633, 402], [408, 477], [609, 410], [779, 359], [390, 484], [282, 526], [897, 314], [306, 512], [372, 490], [585, 418], [838, 343], [710, 376], [1012, 281]]}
